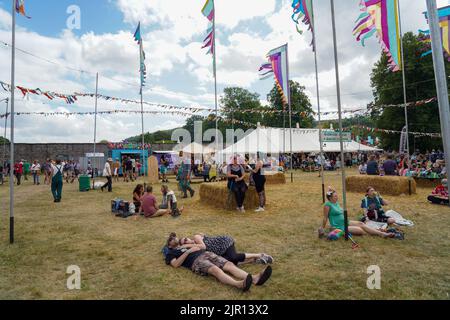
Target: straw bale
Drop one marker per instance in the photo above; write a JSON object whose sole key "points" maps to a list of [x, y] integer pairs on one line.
{"points": [[387, 185], [218, 195]]}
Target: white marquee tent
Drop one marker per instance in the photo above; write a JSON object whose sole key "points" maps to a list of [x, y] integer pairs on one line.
{"points": [[276, 140]]}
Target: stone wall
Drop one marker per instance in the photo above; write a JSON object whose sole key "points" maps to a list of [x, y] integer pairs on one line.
{"points": [[68, 151]]}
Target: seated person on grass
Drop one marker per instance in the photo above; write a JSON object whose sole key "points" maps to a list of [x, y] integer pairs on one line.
{"points": [[206, 263], [138, 194], [373, 207], [334, 214], [224, 246], [170, 201], [440, 194], [149, 205]]}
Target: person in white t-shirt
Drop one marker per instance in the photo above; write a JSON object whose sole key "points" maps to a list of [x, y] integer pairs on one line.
{"points": [[36, 171], [107, 173]]}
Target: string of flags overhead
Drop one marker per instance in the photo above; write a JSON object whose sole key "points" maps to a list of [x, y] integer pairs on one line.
{"points": [[387, 131]]}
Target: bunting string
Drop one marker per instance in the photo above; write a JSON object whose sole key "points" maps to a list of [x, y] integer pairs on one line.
{"points": [[387, 131]]}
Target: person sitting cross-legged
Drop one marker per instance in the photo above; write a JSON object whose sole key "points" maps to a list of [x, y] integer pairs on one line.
{"points": [[149, 206], [440, 194], [206, 263]]}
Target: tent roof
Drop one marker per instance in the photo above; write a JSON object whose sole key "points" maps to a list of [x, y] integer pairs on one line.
{"points": [[277, 140]]}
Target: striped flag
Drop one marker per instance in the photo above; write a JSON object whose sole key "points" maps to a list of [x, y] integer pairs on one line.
{"points": [[20, 8], [208, 12]]}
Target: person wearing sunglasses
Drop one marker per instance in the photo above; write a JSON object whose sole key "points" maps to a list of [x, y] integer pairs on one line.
{"points": [[224, 246], [206, 263]]}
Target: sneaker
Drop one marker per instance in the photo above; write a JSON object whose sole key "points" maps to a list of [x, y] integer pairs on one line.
{"points": [[242, 210], [260, 209], [267, 258]]}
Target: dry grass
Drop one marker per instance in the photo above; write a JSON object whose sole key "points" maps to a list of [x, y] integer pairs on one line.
{"points": [[121, 259], [394, 186]]}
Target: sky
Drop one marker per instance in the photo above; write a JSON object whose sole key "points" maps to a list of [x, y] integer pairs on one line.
{"points": [[179, 71]]}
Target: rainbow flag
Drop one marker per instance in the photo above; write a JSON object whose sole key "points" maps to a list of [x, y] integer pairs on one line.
{"points": [[278, 66], [208, 12], [20, 8], [380, 18], [444, 19], [303, 9]]}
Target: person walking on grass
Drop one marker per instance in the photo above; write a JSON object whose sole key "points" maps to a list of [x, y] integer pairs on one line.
{"points": [[206, 263], [36, 172], [107, 173], [18, 172], [57, 180]]}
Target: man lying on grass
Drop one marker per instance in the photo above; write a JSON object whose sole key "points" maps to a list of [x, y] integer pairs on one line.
{"points": [[206, 263]]}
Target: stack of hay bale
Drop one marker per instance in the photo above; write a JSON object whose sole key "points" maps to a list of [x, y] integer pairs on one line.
{"points": [[218, 195], [388, 185]]}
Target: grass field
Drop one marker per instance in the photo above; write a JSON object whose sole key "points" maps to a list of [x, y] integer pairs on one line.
{"points": [[121, 258]]}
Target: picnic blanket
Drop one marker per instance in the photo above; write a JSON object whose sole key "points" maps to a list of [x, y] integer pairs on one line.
{"points": [[377, 225], [399, 220]]}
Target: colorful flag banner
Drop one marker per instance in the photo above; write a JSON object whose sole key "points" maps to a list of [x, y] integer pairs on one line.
{"points": [[209, 12], [279, 68], [303, 9], [444, 18], [142, 67], [380, 18], [20, 8]]}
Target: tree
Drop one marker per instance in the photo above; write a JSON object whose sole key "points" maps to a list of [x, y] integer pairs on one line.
{"points": [[238, 104], [3, 140], [302, 112], [388, 89]]}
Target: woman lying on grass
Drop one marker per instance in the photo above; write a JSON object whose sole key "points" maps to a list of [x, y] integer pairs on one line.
{"points": [[224, 246], [333, 213], [207, 263]]}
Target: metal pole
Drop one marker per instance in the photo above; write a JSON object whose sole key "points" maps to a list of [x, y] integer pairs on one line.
{"points": [[405, 99], [95, 132], [338, 88], [290, 112], [215, 82], [441, 78], [143, 140], [6, 125], [13, 85], [322, 158]]}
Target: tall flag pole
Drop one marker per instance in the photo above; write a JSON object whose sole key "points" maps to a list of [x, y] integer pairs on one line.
{"points": [[209, 42], [304, 9], [143, 75], [95, 132], [338, 89], [18, 6], [441, 78]]}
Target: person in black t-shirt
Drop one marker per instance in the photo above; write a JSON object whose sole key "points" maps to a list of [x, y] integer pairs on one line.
{"points": [[206, 263]]}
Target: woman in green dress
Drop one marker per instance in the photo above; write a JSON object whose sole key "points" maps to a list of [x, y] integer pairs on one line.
{"points": [[334, 214]]}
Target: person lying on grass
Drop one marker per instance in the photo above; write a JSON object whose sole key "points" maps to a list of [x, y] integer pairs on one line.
{"points": [[206, 263], [224, 246], [373, 207], [333, 213]]}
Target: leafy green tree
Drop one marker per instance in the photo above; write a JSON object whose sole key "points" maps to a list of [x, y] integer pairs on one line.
{"points": [[388, 89], [302, 112]]}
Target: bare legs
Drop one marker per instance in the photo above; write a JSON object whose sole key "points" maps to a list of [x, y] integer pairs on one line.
{"points": [[234, 271], [360, 229]]}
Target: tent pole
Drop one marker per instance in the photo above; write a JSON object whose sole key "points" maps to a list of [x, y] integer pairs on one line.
{"points": [[13, 87], [338, 89], [290, 113], [95, 132], [322, 158]]}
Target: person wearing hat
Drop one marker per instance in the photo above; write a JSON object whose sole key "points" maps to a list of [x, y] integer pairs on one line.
{"points": [[108, 174], [440, 194]]}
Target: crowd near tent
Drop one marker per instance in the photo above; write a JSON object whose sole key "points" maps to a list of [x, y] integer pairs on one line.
{"points": [[277, 141]]}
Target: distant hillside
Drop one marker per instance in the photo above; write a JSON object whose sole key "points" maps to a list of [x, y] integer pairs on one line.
{"points": [[162, 136]]}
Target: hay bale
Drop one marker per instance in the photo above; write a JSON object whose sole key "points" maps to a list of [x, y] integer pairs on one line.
{"points": [[393, 186], [275, 178], [427, 183], [218, 195]]}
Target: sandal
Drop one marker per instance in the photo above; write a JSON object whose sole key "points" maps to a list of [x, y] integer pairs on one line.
{"points": [[247, 283], [265, 276]]}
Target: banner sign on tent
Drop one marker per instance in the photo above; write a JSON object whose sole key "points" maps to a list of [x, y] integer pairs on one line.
{"points": [[334, 136]]}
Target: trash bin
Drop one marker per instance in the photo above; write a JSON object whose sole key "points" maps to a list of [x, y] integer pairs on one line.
{"points": [[85, 183]]}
